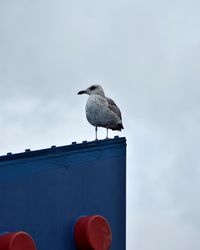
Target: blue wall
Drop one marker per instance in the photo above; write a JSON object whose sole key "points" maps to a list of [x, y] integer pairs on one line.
{"points": [[43, 192]]}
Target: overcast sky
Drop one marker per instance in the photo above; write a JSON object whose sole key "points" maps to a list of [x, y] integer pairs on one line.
{"points": [[146, 55]]}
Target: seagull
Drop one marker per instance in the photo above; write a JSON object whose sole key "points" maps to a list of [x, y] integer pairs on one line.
{"points": [[101, 111]]}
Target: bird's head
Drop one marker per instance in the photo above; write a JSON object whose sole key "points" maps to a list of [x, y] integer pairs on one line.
{"points": [[93, 90]]}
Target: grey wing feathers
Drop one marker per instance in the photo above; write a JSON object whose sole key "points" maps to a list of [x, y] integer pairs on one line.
{"points": [[112, 106]]}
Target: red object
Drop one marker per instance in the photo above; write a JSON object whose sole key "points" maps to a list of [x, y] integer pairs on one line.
{"points": [[92, 233], [16, 241]]}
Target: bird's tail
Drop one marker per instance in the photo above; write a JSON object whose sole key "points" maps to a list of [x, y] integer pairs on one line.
{"points": [[119, 127]]}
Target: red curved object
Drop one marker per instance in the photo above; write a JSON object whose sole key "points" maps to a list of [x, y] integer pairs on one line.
{"points": [[92, 233], [17, 241]]}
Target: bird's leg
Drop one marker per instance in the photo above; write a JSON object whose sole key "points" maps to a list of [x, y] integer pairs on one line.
{"points": [[96, 133], [107, 134]]}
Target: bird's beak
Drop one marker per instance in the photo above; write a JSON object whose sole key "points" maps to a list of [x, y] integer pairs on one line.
{"points": [[81, 92]]}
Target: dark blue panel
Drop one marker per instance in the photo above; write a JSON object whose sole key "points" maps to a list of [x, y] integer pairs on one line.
{"points": [[44, 191]]}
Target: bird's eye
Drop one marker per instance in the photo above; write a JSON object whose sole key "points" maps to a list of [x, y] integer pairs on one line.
{"points": [[92, 88]]}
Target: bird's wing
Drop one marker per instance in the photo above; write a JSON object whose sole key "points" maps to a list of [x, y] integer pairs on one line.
{"points": [[112, 106]]}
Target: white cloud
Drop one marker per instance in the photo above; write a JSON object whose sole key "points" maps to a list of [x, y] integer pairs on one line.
{"points": [[151, 231]]}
